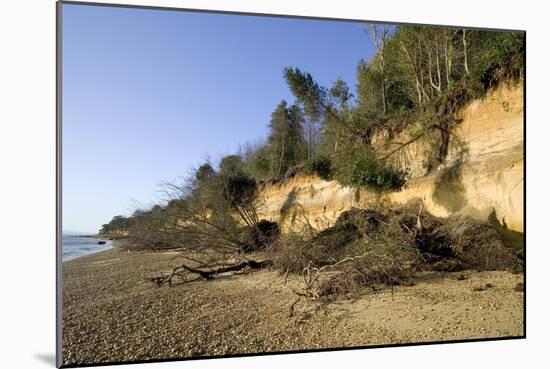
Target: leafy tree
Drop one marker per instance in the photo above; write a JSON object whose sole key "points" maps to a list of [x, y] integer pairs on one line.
{"points": [[285, 139], [307, 91], [230, 165], [118, 223], [204, 173], [259, 164]]}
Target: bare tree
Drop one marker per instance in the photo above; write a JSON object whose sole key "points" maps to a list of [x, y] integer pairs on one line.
{"points": [[312, 132], [211, 220], [380, 35]]}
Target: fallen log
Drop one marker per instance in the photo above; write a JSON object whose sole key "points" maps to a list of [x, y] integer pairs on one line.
{"points": [[207, 273]]}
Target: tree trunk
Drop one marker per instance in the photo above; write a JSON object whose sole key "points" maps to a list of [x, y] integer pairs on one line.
{"points": [[417, 74], [438, 69], [438, 86], [448, 61], [379, 40], [465, 44], [281, 159], [384, 105], [210, 273]]}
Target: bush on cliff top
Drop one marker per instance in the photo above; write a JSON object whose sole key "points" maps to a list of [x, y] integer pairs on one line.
{"points": [[361, 168]]}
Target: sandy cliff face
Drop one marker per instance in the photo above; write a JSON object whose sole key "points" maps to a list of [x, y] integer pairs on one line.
{"points": [[483, 174]]}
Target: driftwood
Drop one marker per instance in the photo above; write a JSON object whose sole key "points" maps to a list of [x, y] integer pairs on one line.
{"points": [[209, 273]]}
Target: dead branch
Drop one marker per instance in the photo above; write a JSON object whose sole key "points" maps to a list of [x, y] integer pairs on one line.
{"points": [[208, 273]]}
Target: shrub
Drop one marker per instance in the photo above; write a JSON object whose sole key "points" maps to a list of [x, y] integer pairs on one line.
{"points": [[321, 166], [231, 165], [362, 169], [239, 189], [258, 162]]}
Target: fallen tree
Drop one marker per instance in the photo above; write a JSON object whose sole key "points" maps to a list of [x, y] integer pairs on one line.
{"points": [[209, 272], [386, 247]]}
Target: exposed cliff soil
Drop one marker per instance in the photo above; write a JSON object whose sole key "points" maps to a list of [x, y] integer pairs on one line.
{"points": [[112, 313], [482, 175]]}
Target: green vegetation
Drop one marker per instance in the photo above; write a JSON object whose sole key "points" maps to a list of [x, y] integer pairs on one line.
{"points": [[416, 82], [361, 168], [414, 85], [119, 223], [320, 166], [286, 143]]}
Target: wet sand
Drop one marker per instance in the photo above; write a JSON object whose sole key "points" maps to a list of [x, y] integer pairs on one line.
{"points": [[112, 313]]}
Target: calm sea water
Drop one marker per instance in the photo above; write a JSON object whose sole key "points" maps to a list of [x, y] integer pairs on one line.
{"points": [[75, 246]]}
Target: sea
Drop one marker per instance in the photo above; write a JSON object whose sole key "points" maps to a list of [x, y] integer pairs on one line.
{"points": [[77, 245]]}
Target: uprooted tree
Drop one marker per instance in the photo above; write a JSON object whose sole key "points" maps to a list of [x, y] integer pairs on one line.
{"points": [[386, 246], [211, 219]]}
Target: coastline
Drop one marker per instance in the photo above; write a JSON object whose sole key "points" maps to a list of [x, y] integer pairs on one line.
{"points": [[71, 250], [113, 313]]}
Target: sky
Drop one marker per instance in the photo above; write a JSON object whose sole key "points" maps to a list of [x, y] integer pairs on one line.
{"points": [[150, 94]]}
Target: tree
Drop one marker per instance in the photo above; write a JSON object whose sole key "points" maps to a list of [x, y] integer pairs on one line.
{"points": [[465, 50], [117, 224], [307, 91], [315, 99], [208, 212], [204, 173], [286, 141], [297, 145], [230, 165], [340, 92], [380, 36], [259, 163]]}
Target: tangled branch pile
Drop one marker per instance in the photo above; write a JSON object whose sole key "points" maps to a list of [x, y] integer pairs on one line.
{"points": [[367, 248]]}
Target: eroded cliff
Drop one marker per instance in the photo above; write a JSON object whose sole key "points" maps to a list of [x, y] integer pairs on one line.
{"points": [[482, 175]]}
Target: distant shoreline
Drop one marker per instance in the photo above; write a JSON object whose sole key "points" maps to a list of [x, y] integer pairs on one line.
{"points": [[96, 236], [96, 244]]}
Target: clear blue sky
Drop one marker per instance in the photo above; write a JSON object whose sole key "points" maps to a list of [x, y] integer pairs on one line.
{"points": [[149, 94]]}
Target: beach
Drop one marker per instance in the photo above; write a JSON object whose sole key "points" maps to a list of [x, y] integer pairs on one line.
{"points": [[77, 245], [112, 312]]}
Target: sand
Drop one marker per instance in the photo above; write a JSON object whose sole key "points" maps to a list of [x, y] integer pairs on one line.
{"points": [[112, 313]]}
